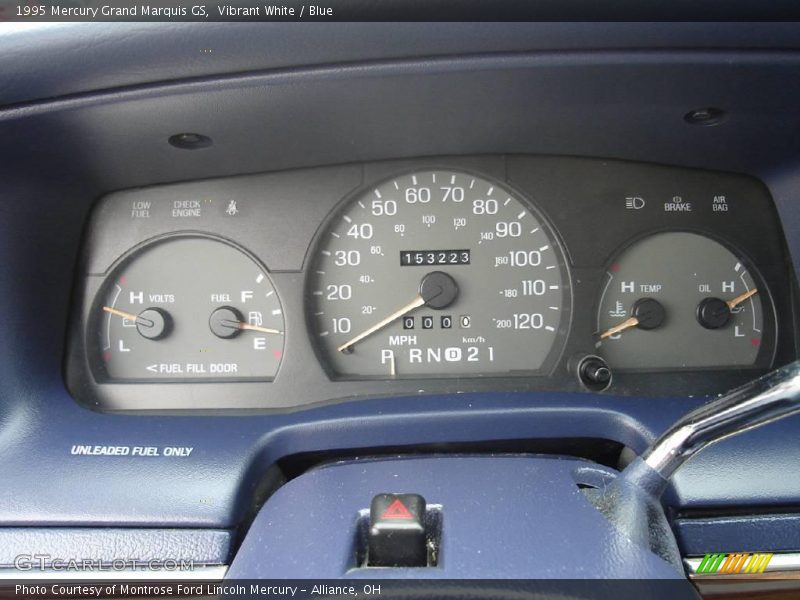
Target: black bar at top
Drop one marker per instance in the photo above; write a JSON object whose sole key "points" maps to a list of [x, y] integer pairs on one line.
{"points": [[404, 10]]}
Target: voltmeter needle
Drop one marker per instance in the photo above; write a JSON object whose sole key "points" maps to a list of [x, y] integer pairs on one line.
{"points": [[127, 315], [741, 298]]}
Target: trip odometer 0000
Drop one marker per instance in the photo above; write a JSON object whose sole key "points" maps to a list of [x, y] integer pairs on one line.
{"points": [[437, 273]]}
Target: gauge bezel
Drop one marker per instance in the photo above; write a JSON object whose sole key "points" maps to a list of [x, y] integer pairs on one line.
{"points": [[555, 354], [581, 199], [767, 352], [95, 319]]}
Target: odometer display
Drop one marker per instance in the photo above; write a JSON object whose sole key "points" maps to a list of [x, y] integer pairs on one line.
{"points": [[487, 293], [427, 258]]}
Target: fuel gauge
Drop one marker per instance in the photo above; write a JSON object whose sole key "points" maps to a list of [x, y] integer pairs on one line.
{"points": [[186, 308], [680, 300]]}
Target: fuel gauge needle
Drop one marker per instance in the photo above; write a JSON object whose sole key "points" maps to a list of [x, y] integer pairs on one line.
{"points": [[248, 327], [741, 298], [626, 324]]}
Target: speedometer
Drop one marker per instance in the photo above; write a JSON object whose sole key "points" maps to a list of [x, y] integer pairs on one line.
{"points": [[437, 273]]}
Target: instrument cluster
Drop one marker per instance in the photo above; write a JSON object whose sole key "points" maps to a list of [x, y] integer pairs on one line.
{"points": [[429, 276]]}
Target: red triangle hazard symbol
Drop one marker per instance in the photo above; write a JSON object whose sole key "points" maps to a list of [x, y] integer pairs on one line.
{"points": [[397, 510]]}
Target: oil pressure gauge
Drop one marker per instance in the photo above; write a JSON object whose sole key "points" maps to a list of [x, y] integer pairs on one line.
{"points": [[186, 308], [680, 300]]}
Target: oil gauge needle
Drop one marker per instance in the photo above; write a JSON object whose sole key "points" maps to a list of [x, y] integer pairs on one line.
{"points": [[415, 303], [626, 324], [741, 298]]}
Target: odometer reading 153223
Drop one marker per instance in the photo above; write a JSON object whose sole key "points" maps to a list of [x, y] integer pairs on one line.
{"points": [[486, 294]]}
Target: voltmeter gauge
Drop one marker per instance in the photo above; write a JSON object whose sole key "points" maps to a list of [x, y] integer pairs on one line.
{"points": [[186, 308], [679, 300]]}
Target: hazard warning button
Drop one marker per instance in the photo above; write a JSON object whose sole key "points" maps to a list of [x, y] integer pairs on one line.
{"points": [[397, 531]]}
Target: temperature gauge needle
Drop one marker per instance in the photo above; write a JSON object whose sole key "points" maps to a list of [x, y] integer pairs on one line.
{"points": [[647, 313], [415, 303], [741, 298], [626, 324]]}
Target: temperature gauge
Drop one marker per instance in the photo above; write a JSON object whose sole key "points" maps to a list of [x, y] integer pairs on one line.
{"points": [[681, 300], [187, 308]]}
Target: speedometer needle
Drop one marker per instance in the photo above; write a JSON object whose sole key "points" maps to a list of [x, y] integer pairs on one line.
{"points": [[437, 290], [741, 298], [415, 303], [626, 324]]}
